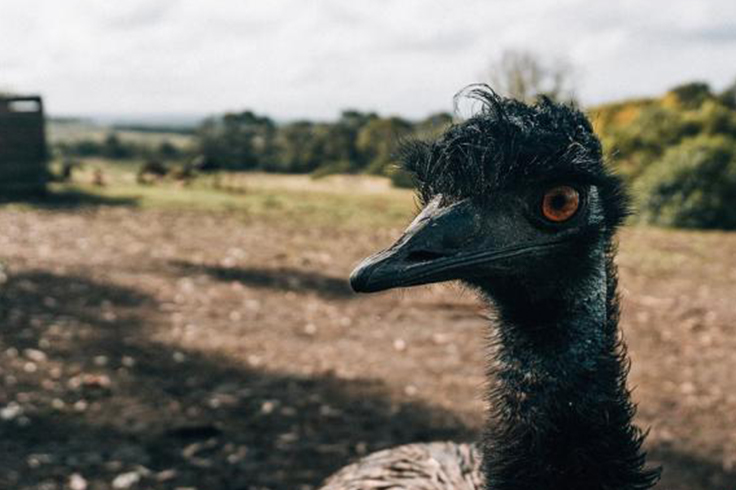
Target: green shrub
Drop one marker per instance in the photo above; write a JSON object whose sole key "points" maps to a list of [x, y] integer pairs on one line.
{"points": [[692, 95], [692, 186]]}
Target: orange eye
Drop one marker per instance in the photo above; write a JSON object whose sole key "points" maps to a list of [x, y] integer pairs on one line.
{"points": [[560, 203]]}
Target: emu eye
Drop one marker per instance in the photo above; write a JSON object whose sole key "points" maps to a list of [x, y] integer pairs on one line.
{"points": [[560, 203]]}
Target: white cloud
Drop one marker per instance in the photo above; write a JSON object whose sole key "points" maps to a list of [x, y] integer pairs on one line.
{"points": [[291, 58]]}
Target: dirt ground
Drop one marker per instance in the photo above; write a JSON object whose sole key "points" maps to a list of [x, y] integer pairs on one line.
{"points": [[164, 349]]}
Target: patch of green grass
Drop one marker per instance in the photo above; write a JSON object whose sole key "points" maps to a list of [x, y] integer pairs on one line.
{"points": [[660, 252], [353, 203], [293, 206]]}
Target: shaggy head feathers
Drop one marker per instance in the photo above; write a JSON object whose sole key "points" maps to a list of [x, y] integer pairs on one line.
{"points": [[509, 144]]}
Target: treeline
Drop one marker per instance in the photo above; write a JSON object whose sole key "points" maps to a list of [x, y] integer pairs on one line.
{"points": [[677, 151], [679, 154], [357, 142], [115, 147]]}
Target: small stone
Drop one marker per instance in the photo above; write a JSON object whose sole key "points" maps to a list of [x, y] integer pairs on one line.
{"points": [[687, 388], [35, 355], [126, 480], [38, 459], [166, 475], [96, 381], [400, 345], [10, 411], [268, 406], [77, 482]]}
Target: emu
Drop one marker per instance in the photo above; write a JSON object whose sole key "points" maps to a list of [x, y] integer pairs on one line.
{"points": [[518, 205]]}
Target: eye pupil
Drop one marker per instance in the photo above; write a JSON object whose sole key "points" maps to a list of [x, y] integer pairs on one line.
{"points": [[560, 203]]}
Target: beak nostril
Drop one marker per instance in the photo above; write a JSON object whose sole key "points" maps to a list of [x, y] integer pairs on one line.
{"points": [[424, 256]]}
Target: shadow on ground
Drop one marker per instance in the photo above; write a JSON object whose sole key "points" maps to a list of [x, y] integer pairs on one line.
{"points": [[105, 401], [65, 199], [279, 278]]}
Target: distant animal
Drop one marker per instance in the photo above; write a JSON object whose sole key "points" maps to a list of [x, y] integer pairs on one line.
{"points": [[187, 172], [518, 205], [151, 171], [98, 178], [67, 170]]}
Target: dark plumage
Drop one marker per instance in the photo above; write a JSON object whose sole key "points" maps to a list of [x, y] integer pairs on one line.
{"points": [[509, 143], [519, 205]]}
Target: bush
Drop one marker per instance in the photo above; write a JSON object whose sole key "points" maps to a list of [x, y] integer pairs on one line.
{"points": [[692, 95], [692, 186]]}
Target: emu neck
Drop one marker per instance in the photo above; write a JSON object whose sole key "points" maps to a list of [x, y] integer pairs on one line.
{"points": [[560, 414]]}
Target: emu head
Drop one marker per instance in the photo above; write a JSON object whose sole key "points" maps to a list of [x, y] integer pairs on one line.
{"points": [[516, 195]]}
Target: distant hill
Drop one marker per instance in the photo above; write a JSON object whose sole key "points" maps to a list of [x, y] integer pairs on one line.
{"points": [[143, 122]]}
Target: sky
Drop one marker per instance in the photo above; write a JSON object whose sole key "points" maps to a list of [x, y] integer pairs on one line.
{"points": [[294, 59]]}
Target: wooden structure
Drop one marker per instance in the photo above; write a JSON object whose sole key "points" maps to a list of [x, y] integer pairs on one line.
{"points": [[23, 151]]}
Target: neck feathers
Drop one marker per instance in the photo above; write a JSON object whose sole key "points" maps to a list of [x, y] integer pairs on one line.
{"points": [[561, 415]]}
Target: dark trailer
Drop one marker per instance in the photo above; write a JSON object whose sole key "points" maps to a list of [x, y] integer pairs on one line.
{"points": [[23, 152]]}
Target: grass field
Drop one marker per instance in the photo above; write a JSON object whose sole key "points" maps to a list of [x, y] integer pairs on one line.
{"points": [[204, 336]]}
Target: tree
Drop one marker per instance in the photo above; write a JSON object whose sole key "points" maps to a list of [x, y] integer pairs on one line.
{"points": [[115, 149], [433, 125], [338, 142], [692, 186], [377, 142], [524, 76], [166, 150], [299, 148], [237, 141], [728, 96], [692, 95]]}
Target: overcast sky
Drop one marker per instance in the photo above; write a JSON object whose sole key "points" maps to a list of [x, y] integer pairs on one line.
{"points": [[312, 58]]}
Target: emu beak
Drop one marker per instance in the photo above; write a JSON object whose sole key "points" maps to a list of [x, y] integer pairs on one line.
{"points": [[430, 250]]}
